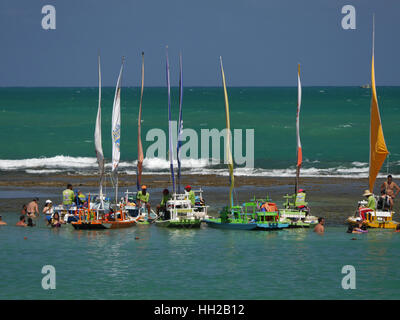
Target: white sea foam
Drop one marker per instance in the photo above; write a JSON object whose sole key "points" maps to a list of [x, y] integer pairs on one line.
{"points": [[88, 165]]}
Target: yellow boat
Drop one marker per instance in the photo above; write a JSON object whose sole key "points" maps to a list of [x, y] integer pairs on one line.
{"points": [[378, 153]]}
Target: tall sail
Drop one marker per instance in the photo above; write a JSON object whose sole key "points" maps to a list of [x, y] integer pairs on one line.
{"points": [[378, 150], [171, 154], [140, 147], [228, 139], [299, 151], [180, 124], [116, 129], [97, 141]]}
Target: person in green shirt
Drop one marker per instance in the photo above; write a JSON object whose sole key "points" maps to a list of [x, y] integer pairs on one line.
{"points": [[371, 200], [165, 197], [190, 194], [301, 198], [68, 195], [143, 197], [81, 197]]}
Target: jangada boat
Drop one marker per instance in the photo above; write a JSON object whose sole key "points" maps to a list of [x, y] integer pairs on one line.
{"points": [[230, 217], [179, 213], [266, 219], [92, 220], [297, 216], [96, 218], [378, 152]]}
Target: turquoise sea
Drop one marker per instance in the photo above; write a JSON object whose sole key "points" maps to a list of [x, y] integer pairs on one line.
{"points": [[148, 262], [50, 130]]}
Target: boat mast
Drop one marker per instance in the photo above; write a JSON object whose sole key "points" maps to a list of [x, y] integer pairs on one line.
{"points": [[299, 150], [98, 142], [229, 159], [171, 154], [140, 147], [180, 123]]}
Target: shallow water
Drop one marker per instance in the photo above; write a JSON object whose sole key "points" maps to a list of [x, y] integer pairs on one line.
{"points": [[196, 264]]}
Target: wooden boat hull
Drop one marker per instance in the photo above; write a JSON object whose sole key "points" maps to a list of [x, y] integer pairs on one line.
{"points": [[183, 224], [230, 225], [118, 224]]}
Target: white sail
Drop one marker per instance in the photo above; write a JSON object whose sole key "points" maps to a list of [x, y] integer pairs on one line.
{"points": [[116, 123], [98, 143]]}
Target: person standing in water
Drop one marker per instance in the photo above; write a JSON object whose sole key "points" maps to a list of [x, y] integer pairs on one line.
{"points": [[389, 185], [2, 223], [319, 228], [21, 222], [32, 208]]}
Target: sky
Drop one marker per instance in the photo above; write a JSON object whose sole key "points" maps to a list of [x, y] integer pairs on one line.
{"points": [[261, 42]]}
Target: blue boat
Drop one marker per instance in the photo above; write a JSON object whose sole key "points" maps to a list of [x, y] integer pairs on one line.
{"points": [[234, 225]]}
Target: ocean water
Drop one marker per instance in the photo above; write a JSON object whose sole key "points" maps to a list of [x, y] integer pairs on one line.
{"points": [[50, 130], [148, 262]]}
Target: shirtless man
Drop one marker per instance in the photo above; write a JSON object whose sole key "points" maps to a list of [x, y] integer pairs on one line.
{"points": [[32, 208], [389, 187], [319, 228]]}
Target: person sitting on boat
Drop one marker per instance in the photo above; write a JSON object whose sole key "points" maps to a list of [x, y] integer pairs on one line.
{"points": [[68, 196], [383, 201], [389, 187], [300, 201], [143, 197], [371, 200], [81, 198], [266, 207], [189, 192], [165, 197]]}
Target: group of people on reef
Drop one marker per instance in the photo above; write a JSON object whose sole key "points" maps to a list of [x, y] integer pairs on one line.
{"points": [[70, 197], [389, 191], [143, 197]]}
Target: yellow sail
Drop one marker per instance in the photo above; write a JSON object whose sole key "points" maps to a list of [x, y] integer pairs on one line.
{"points": [[378, 150], [228, 139]]}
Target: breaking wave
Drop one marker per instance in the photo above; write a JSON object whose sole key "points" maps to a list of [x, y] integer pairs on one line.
{"points": [[88, 165]]}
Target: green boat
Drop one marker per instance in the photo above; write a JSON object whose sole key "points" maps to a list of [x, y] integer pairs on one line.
{"points": [[232, 218], [265, 220], [297, 217]]}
